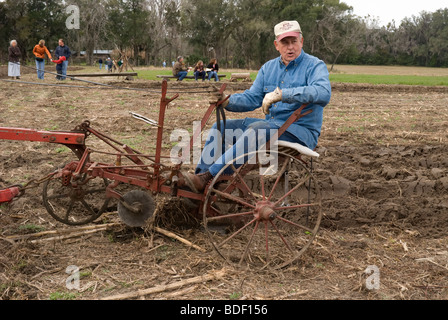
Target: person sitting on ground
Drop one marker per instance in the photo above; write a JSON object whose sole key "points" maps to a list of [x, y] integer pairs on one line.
{"points": [[212, 70], [282, 86], [59, 66], [199, 71], [180, 71]]}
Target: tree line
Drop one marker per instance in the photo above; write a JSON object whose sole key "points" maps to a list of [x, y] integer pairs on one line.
{"points": [[237, 32]]}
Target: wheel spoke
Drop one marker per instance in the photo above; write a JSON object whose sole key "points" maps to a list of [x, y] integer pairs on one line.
{"points": [[295, 224], [58, 196], [250, 242], [236, 233], [88, 207], [234, 215], [267, 241], [95, 191], [292, 190], [282, 171], [281, 236], [262, 183], [69, 209], [298, 206], [240, 178], [233, 198]]}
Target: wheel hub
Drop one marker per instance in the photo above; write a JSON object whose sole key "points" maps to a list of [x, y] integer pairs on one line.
{"points": [[264, 211]]}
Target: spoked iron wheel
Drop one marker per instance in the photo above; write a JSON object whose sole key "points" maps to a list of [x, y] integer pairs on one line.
{"points": [[272, 211], [77, 204]]}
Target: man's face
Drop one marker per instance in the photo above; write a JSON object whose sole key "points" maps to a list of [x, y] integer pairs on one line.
{"points": [[289, 48], [61, 43]]}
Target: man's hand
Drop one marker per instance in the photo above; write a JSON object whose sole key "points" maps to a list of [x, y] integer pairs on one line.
{"points": [[271, 98], [215, 97]]}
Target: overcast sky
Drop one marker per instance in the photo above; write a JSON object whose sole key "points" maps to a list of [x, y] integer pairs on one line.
{"points": [[388, 10]]}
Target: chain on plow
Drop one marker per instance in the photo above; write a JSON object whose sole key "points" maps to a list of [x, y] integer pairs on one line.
{"points": [[18, 190]]}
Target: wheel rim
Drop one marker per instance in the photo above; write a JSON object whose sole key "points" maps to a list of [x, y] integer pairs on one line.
{"points": [[275, 217], [75, 205]]}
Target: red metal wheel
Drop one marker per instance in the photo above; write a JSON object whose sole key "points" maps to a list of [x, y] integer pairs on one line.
{"points": [[272, 209], [75, 203]]}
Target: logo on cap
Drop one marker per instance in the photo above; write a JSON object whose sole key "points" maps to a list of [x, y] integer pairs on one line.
{"points": [[286, 26]]}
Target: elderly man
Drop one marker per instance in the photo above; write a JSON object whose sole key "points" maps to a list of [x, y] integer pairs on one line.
{"points": [[180, 71], [281, 87]]}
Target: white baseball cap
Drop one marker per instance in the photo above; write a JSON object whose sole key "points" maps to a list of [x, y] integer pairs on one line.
{"points": [[287, 29]]}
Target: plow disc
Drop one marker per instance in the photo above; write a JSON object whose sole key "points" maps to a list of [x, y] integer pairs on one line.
{"points": [[136, 208]]}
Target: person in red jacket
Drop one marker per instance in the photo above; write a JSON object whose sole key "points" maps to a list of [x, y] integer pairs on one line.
{"points": [[59, 66]]}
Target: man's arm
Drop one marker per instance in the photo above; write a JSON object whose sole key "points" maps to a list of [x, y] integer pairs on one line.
{"points": [[249, 100], [318, 90]]}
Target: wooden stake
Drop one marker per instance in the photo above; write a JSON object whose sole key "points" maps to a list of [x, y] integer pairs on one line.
{"points": [[62, 231], [68, 236], [174, 236], [176, 285]]}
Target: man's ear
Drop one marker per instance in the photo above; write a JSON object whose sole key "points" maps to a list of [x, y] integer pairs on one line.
{"points": [[276, 44]]}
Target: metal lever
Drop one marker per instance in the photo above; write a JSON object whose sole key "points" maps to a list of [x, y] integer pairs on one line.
{"points": [[144, 119]]}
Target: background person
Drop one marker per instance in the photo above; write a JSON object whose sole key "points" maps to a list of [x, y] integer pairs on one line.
{"points": [[40, 50], [213, 69], [180, 71], [63, 50], [199, 71], [14, 55]]}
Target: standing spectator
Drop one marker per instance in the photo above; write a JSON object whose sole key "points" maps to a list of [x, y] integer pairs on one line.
{"points": [[164, 64], [100, 62], [63, 50], [40, 50], [199, 71], [172, 63], [180, 71], [109, 64], [213, 69], [14, 60]]}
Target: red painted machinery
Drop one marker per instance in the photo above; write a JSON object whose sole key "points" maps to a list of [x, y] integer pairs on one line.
{"points": [[261, 214]]}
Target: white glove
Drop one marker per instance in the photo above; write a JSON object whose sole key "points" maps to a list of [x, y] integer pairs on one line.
{"points": [[270, 99]]}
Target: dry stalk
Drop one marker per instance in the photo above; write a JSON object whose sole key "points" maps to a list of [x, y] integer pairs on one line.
{"points": [[172, 286]]}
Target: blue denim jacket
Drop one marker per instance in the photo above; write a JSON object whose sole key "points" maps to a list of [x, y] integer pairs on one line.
{"points": [[304, 80]]}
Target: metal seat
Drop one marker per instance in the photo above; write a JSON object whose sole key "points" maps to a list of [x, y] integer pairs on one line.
{"points": [[295, 149]]}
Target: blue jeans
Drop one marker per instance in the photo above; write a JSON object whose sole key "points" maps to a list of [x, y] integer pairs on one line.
{"points": [[198, 74], [241, 137], [40, 66], [64, 69], [213, 74], [101, 66], [181, 75]]}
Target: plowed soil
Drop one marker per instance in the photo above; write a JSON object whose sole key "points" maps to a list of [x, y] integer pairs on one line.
{"points": [[383, 172]]}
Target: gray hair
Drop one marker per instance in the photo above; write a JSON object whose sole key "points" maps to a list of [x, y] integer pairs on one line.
{"points": [[13, 41], [179, 58]]}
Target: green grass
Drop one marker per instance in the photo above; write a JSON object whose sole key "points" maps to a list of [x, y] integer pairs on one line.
{"points": [[152, 74], [336, 78], [390, 79]]}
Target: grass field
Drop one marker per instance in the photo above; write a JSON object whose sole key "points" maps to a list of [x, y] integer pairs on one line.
{"points": [[340, 74]]}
